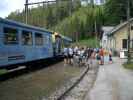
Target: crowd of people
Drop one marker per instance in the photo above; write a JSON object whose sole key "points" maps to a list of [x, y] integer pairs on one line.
{"points": [[83, 54]]}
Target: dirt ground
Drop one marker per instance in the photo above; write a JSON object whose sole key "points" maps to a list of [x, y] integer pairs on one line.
{"points": [[39, 84]]}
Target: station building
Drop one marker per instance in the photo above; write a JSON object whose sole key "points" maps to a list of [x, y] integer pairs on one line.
{"points": [[118, 37]]}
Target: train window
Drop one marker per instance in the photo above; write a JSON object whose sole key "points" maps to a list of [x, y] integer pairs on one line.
{"points": [[46, 39], [10, 36], [27, 38], [38, 39]]}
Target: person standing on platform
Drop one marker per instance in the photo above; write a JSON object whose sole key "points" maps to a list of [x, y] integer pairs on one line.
{"points": [[110, 56], [66, 54], [101, 53], [71, 52]]}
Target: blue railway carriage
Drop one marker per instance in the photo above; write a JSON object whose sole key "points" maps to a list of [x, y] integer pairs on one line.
{"points": [[66, 41], [21, 43]]}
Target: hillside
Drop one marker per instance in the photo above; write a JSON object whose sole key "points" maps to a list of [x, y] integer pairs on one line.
{"points": [[47, 15], [79, 22], [84, 23]]}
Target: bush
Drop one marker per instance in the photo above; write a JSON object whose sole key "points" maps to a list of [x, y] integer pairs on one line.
{"points": [[128, 65], [90, 42]]}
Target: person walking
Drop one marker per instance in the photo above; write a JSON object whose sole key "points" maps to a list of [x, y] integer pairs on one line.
{"points": [[98, 58], [82, 55], [76, 56], [110, 56], [101, 53], [75, 50], [66, 53], [71, 52]]}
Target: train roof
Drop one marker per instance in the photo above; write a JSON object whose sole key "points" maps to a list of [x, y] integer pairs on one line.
{"points": [[19, 24]]}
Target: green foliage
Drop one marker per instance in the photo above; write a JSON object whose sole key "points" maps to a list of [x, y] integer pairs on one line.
{"points": [[116, 11], [90, 42], [128, 65], [66, 18], [48, 15], [82, 23], [2, 71]]}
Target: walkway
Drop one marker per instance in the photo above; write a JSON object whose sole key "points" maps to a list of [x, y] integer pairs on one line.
{"points": [[113, 83]]}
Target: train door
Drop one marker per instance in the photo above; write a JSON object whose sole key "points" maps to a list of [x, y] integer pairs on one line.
{"points": [[3, 51], [48, 44], [27, 44], [58, 45]]}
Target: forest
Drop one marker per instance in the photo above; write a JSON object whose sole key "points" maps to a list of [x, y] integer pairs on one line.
{"points": [[73, 19]]}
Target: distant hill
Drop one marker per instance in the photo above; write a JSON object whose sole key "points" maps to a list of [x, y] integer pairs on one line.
{"points": [[47, 15], [84, 23], [75, 21]]}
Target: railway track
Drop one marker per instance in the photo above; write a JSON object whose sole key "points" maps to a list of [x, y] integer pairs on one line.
{"points": [[78, 90], [40, 84], [23, 70], [63, 95]]}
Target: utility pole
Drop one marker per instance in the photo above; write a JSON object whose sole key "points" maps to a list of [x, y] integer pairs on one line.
{"points": [[128, 30], [92, 2], [95, 22], [26, 11], [70, 9], [35, 3]]}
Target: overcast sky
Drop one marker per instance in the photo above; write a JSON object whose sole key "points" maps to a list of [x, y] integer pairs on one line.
{"points": [[8, 6]]}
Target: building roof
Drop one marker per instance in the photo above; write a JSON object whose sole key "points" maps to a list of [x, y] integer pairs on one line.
{"points": [[107, 29], [118, 27]]}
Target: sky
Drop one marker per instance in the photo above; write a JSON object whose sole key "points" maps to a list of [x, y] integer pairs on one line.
{"points": [[98, 2], [8, 6]]}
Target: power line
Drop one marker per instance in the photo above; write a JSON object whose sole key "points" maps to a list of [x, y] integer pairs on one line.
{"points": [[35, 3], [43, 2], [26, 12], [46, 2]]}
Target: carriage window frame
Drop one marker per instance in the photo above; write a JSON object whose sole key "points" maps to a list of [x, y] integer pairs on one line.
{"points": [[27, 34], [47, 39], [37, 37], [7, 34]]}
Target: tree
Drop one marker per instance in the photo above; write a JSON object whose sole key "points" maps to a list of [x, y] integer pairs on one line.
{"points": [[47, 15], [116, 11]]}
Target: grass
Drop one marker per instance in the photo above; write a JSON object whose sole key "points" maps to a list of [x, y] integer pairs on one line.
{"points": [[90, 42], [3, 71], [128, 65]]}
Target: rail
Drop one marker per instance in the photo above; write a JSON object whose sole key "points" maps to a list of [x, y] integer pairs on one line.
{"points": [[73, 85]]}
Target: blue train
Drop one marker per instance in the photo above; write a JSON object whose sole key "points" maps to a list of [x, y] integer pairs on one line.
{"points": [[22, 44]]}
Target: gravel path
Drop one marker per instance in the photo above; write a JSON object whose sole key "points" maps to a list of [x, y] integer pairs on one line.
{"points": [[113, 83]]}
